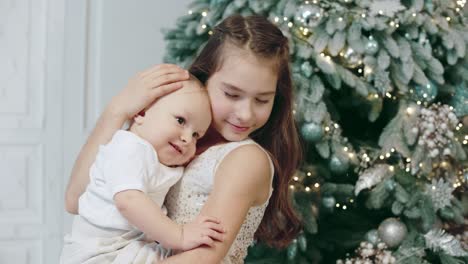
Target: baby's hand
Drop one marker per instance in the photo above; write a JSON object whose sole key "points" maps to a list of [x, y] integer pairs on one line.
{"points": [[204, 230]]}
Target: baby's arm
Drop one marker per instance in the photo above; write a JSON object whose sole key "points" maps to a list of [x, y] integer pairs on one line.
{"points": [[148, 217]]}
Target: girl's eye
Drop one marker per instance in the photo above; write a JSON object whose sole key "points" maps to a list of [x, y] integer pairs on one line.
{"points": [[196, 135], [180, 120], [231, 95], [262, 101]]}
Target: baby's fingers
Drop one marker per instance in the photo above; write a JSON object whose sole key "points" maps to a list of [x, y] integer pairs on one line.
{"points": [[214, 226], [206, 240], [214, 235]]}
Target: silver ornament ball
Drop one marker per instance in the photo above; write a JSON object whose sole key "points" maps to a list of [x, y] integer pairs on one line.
{"points": [[392, 232], [308, 15]]}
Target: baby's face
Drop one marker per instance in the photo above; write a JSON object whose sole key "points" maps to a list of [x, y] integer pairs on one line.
{"points": [[175, 122]]}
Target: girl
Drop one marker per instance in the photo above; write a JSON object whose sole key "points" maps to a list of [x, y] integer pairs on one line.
{"points": [[250, 152]]}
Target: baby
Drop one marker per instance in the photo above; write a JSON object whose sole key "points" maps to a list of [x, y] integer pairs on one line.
{"points": [[132, 174]]}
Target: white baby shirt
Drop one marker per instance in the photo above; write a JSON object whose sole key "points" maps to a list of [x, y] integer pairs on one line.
{"points": [[127, 162]]}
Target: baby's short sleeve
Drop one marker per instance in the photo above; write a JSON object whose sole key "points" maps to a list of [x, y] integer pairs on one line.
{"points": [[127, 165]]}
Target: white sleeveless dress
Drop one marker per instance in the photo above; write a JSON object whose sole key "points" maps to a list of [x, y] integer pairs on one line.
{"points": [[185, 200], [93, 245]]}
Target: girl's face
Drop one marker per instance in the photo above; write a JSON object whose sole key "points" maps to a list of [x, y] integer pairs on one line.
{"points": [[242, 93]]}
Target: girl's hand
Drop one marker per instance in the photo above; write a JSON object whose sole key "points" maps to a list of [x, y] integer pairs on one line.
{"points": [[145, 87], [203, 230]]}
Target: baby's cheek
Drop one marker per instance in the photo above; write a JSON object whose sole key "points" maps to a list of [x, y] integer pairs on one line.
{"points": [[191, 152]]}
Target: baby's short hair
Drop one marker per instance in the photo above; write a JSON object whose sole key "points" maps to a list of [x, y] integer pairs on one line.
{"points": [[195, 79]]}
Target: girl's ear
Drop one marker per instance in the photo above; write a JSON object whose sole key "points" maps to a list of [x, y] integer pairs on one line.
{"points": [[138, 119]]}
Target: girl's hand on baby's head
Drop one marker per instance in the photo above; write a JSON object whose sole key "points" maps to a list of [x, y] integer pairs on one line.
{"points": [[204, 230], [145, 87]]}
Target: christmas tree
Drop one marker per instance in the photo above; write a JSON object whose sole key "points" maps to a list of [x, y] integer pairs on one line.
{"points": [[382, 103]]}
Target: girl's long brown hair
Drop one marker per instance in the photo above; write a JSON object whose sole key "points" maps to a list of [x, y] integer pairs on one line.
{"points": [[279, 135]]}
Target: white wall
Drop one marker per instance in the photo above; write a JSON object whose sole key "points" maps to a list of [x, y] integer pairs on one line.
{"points": [[60, 63]]}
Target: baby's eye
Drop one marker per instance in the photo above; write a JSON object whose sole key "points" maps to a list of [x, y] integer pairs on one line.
{"points": [[180, 120], [196, 135]]}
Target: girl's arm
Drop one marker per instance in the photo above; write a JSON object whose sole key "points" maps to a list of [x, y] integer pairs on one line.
{"points": [[238, 185], [140, 92], [106, 126], [147, 216]]}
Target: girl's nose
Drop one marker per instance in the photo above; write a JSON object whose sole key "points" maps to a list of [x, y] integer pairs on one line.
{"points": [[244, 111]]}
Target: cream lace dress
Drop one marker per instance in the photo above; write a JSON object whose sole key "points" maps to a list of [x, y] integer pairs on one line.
{"points": [[185, 199]]}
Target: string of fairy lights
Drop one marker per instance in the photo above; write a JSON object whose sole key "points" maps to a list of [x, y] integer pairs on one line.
{"points": [[301, 32]]}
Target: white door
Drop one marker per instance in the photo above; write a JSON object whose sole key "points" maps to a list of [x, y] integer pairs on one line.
{"points": [[60, 63], [31, 124]]}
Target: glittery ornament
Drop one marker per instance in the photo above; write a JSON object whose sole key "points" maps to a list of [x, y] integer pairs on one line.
{"points": [[371, 177], [312, 132], [437, 130], [372, 46], [392, 232], [440, 193], [438, 240], [368, 253], [424, 93], [337, 165], [308, 15], [351, 58]]}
